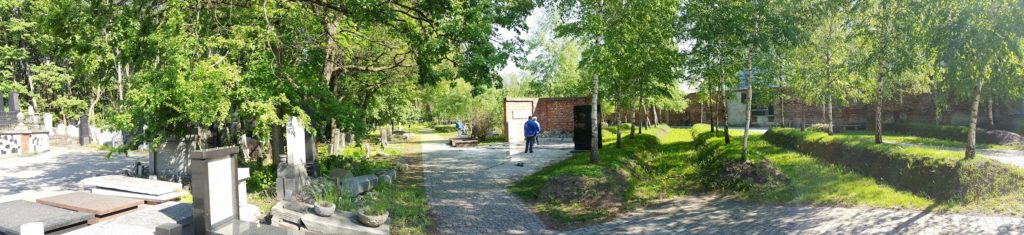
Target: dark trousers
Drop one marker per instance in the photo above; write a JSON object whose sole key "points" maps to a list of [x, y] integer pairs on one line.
{"points": [[530, 141]]}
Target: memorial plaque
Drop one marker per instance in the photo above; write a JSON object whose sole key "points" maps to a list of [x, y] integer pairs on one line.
{"points": [[583, 127]]}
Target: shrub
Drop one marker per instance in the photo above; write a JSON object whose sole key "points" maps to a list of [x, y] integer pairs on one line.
{"points": [[913, 169], [946, 132], [444, 128]]}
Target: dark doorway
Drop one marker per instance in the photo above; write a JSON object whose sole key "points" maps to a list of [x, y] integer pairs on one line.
{"points": [[582, 127]]}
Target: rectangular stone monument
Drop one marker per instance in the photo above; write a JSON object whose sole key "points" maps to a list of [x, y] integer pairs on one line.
{"points": [[215, 195], [214, 191], [102, 207], [151, 191], [295, 137], [18, 212], [84, 131]]}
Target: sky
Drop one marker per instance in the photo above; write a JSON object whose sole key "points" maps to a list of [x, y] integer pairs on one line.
{"points": [[532, 21]]}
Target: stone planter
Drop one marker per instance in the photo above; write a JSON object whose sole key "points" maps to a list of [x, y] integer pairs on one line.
{"points": [[372, 220], [322, 210]]}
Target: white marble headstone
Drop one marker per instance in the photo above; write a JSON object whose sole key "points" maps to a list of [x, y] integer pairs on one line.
{"points": [[48, 122], [295, 137]]}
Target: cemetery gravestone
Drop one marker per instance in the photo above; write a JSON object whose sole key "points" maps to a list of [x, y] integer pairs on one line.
{"points": [[84, 131]]}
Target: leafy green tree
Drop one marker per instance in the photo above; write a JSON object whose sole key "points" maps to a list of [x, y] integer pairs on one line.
{"points": [[976, 43]]}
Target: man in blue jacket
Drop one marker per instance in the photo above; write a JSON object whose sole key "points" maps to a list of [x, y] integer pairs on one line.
{"points": [[531, 129]]}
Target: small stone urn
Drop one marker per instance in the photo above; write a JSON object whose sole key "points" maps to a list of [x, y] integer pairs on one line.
{"points": [[372, 220], [325, 209]]}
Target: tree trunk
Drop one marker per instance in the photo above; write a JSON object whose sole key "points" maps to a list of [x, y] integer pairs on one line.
{"points": [[618, 131], [725, 112], [971, 135], [276, 143], [831, 129], [803, 117], [655, 111], [750, 103], [647, 115], [878, 104], [595, 138], [782, 111], [632, 125], [702, 114], [991, 116]]}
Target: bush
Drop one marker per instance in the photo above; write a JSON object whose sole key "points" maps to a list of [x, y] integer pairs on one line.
{"points": [[444, 128], [261, 176], [918, 170], [946, 132]]}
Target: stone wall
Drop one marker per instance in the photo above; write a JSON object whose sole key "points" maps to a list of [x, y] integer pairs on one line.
{"points": [[28, 142]]}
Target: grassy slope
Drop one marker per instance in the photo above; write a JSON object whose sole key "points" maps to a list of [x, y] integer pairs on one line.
{"points": [[666, 159], [909, 139], [1007, 204]]}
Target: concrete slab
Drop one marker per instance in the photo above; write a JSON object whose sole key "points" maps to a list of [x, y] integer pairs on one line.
{"points": [[144, 220], [16, 213], [249, 228], [132, 184], [342, 222], [289, 211]]}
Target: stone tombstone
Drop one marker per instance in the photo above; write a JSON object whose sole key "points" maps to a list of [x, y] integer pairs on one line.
{"points": [[295, 138], [48, 123], [84, 131], [215, 196], [12, 102], [291, 179]]}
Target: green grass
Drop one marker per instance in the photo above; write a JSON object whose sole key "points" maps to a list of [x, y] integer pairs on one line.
{"points": [[910, 139], [662, 164], [978, 174], [406, 200]]}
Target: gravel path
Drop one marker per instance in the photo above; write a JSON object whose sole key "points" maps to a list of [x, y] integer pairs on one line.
{"points": [[1012, 157], [466, 188], [713, 215], [56, 170]]}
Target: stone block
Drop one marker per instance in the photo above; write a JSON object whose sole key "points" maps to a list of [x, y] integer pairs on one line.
{"points": [[277, 222], [387, 176], [342, 222], [359, 184], [168, 229], [289, 211]]}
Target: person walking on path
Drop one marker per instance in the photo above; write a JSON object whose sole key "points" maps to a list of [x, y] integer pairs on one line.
{"points": [[531, 129]]}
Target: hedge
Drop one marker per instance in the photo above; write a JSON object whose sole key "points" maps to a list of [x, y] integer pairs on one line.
{"points": [[905, 168], [946, 132]]}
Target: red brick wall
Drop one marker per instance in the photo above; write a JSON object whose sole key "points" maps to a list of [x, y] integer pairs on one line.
{"points": [[555, 114]]}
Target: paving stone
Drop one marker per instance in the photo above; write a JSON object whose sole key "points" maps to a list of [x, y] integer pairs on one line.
{"points": [[342, 222], [16, 213]]}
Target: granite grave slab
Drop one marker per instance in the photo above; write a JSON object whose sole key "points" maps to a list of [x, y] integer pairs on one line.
{"points": [[103, 207], [342, 222], [19, 212], [144, 220]]}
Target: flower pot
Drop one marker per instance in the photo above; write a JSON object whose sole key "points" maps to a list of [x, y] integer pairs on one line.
{"points": [[325, 209], [372, 220]]}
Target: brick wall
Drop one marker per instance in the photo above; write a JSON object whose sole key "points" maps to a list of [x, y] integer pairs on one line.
{"points": [[555, 114]]}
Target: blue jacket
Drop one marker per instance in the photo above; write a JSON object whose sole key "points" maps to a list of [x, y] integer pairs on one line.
{"points": [[532, 128]]}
